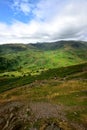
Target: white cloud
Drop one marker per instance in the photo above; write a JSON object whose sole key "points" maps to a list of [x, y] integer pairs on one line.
{"points": [[53, 20], [22, 6]]}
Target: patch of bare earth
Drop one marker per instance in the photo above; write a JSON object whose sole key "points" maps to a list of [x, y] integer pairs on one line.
{"points": [[22, 115]]}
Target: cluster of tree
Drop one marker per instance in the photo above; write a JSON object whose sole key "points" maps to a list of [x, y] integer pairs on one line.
{"points": [[7, 64]]}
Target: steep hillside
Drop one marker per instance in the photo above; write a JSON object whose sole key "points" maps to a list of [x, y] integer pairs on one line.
{"points": [[42, 56], [70, 72]]}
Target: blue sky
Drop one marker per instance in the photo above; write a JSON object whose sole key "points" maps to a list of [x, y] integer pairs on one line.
{"points": [[15, 10], [26, 21]]}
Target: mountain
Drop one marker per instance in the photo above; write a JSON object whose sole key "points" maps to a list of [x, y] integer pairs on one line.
{"points": [[8, 48], [60, 45], [13, 48], [42, 56]]}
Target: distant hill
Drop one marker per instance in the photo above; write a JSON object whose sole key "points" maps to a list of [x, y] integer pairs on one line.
{"points": [[60, 45], [12, 48], [42, 56], [7, 48]]}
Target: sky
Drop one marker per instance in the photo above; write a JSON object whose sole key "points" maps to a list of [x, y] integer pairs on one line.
{"points": [[31, 21]]}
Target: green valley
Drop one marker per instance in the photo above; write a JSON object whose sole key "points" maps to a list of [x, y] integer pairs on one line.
{"points": [[33, 58]]}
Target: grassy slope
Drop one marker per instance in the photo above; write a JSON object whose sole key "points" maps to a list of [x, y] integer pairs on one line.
{"points": [[64, 72], [66, 86]]}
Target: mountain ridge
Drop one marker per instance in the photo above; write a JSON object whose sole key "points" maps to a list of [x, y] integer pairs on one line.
{"points": [[43, 45]]}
